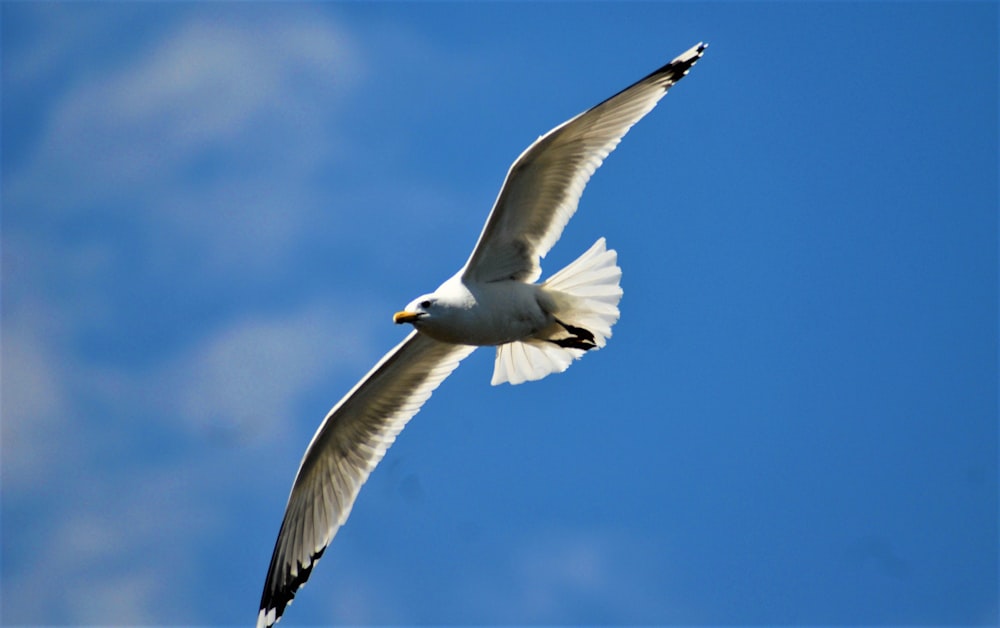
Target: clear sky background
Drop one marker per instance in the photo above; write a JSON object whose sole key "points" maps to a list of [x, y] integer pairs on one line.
{"points": [[211, 211]]}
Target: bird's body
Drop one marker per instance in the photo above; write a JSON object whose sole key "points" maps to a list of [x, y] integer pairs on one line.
{"points": [[492, 300], [484, 314]]}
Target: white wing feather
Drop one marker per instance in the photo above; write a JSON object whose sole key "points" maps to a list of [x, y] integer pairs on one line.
{"points": [[543, 186], [349, 443]]}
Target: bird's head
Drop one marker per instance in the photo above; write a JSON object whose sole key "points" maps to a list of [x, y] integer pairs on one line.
{"points": [[442, 313], [419, 310]]}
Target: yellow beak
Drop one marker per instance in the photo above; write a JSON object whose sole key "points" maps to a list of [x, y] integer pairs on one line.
{"points": [[405, 317]]}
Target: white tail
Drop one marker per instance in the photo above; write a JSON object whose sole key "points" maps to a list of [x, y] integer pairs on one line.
{"points": [[586, 295]]}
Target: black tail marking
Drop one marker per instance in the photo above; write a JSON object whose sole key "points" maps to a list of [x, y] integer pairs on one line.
{"points": [[573, 343], [581, 339], [578, 332]]}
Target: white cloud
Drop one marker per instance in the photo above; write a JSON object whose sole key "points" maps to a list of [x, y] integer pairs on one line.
{"points": [[114, 546], [247, 377], [570, 564], [133, 594], [251, 100], [242, 379], [34, 401], [210, 137], [126, 141], [138, 524], [564, 574]]}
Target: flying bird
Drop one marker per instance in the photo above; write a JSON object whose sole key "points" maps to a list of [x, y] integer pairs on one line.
{"points": [[493, 300]]}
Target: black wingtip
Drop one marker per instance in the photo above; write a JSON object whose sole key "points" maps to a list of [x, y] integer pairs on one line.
{"points": [[684, 61], [276, 599], [669, 74]]}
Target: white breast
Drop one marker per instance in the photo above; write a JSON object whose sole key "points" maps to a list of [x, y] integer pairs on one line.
{"points": [[486, 314]]}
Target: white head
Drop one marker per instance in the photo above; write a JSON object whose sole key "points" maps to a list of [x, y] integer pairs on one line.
{"points": [[420, 309], [443, 309]]}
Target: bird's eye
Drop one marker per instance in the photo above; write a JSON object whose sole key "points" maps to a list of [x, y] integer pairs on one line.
{"points": [[425, 303]]}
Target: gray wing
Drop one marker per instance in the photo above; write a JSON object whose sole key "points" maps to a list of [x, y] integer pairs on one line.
{"points": [[349, 443], [543, 186]]}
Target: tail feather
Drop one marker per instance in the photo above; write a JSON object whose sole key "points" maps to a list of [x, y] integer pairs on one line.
{"points": [[586, 295], [529, 360]]}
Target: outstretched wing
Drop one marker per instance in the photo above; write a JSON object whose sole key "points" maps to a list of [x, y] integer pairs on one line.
{"points": [[543, 186], [349, 443]]}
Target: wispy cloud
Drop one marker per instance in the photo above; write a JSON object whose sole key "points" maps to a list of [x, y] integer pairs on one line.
{"points": [[241, 385], [214, 129], [113, 551], [575, 572], [35, 400], [171, 144], [245, 378], [195, 157]]}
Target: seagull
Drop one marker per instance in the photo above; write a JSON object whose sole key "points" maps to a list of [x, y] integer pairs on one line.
{"points": [[493, 300]]}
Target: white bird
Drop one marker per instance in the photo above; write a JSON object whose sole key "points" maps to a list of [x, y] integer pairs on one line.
{"points": [[492, 301]]}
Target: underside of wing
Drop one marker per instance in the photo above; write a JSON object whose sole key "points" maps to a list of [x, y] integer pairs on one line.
{"points": [[543, 186], [349, 443]]}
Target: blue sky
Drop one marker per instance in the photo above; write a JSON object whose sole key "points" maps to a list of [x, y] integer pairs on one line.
{"points": [[210, 212]]}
